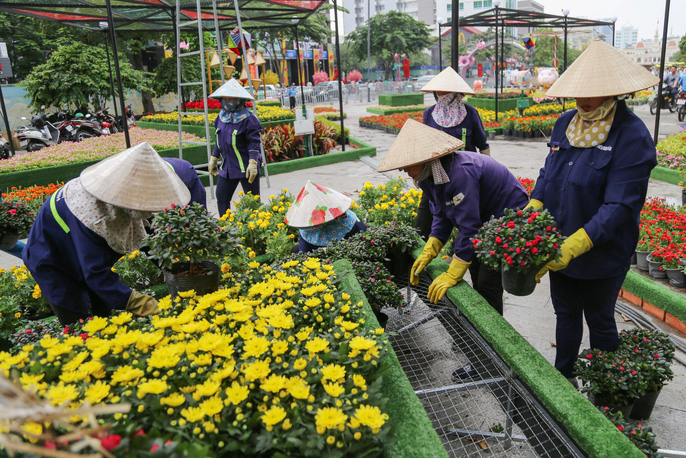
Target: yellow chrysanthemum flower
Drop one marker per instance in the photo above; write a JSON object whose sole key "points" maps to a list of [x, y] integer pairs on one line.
{"points": [[273, 416], [329, 418], [173, 400], [97, 391], [334, 389], [237, 393], [332, 372], [274, 383], [371, 416], [152, 387]]}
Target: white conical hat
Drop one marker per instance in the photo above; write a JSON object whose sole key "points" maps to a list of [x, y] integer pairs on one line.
{"points": [[417, 143], [315, 205], [448, 81], [136, 179], [231, 88], [601, 71]]}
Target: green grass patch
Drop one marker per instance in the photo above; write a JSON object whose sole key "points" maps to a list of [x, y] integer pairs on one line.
{"points": [[401, 100], [665, 174], [657, 294]]}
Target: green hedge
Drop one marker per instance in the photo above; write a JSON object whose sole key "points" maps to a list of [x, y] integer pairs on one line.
{"points": [[401, 100], [414, 435], [585, 424], [387, 111], [665, 174], [657, 294], [489, 104]]}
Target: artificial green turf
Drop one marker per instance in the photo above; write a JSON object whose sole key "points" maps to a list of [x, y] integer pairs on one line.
{"points": [[584, 423], [414, 435], [658, 295], [665, 174], [401, 100]]}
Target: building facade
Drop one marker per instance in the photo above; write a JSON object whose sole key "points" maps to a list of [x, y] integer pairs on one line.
{"points": [[626, 37]]}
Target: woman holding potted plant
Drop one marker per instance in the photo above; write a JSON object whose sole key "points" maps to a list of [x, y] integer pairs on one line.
{"points": [[594, 183], [237, 143], [455, 118], [85, 227], [322, 215]]}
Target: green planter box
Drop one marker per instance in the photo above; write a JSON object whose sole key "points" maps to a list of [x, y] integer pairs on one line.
{"points": [[381, 111], [665, 174], [489, 104], [400, 100]]}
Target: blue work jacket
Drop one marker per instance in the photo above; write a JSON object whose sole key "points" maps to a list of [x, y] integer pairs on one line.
{"points": [[470, 130], [189, 176], [480, 188], [236, 144], [601, 189], [69, 265]]}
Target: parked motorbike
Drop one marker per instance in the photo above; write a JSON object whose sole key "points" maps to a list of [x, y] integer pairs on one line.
{"points": [[5, 150], [108, 121], [667, 101], [681, 103], [62, 122], [38, 134], [87, 127]]}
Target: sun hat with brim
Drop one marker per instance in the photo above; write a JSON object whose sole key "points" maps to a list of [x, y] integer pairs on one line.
{"points": [[135, 179], [417, 143], [335, 229], [602, 71], [448, 81], [231, 88], [315, 205]]}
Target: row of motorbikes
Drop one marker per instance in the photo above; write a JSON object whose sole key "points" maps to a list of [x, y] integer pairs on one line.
{"points": [[677, 103], [62, 126]]}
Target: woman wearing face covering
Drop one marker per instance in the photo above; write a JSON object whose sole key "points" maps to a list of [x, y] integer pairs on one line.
{"points": [[237, 144], [455, 118], [594, 182], [86, 226]]}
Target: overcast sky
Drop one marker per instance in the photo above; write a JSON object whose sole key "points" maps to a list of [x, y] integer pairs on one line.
{"points": [[642, 14]]}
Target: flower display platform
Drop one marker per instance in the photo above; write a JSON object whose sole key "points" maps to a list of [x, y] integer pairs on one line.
{"points": [[399, 100], [489, 104]]}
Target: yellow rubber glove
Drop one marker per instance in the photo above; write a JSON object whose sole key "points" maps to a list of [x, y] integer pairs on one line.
{"points": [[447, 279], [142, 305], [575, 245], [486, 151], [251, 171], [535, 204], [214, 166], [431, 249]]}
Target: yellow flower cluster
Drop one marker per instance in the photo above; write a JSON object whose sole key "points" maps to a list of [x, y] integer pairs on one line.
{"points": [[489, 115], [282, 349], [388, 202]]}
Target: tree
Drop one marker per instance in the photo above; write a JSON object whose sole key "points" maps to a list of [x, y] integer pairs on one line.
{"points": [[543, 52], [391, 33], [77, 74], [349, 61]]}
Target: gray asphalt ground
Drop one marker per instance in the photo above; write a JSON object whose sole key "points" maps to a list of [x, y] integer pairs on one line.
{"points": [[533, 315]]}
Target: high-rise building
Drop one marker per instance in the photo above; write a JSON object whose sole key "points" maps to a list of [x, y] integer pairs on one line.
{"points": [[626, 37], [421, 10]]}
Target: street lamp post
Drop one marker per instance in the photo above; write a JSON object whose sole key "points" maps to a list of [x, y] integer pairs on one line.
{"points": [[565, 13], [297, 53], [455, 35], [103, 26], [496, 4], [369, 50], [440, 45], [614, 29]]}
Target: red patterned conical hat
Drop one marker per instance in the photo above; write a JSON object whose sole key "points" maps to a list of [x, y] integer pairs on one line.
{"points": [[315, 205]]}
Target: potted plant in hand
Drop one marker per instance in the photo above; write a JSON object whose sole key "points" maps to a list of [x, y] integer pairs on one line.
{"points": [[186, 243], [652, 352], [610, 379], [519, 243], [15, 221]]}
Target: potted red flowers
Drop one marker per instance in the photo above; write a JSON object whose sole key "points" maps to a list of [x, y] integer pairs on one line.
{"points": [[519, 243], [15, 221]]}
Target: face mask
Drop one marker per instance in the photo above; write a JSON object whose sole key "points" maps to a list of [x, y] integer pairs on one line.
{"points": [[230, 106]]}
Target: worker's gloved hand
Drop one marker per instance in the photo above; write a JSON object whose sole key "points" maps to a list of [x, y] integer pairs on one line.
{"points": [[575, 245], [447, 279], [251, 172], [142, 305], [534, 204], [486, 151], [214, 166], [431, 249]]}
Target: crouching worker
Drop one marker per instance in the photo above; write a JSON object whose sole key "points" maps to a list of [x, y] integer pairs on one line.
{"points": [[85, 227], [322, 215]]}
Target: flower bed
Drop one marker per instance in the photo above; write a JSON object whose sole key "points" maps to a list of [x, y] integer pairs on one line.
{"points": [[387, 109], [92, 149], [32, 196], [265, 114], [390, 123]]}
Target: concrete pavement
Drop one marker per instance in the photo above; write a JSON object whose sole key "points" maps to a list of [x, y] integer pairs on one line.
{"points": [[532, 315]]}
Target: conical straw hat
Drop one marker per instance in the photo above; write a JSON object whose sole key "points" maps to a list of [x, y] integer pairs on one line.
{"points": [[136, 179], [315, 205], [601, 71], [417, 143], [231, 88], [448, 81]]}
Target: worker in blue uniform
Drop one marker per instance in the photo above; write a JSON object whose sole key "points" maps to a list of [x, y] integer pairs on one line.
{"points": [[85, 227], [322, 215], [465, 190], [455, 118], [189, 176], [237, 144], [594, 183]]}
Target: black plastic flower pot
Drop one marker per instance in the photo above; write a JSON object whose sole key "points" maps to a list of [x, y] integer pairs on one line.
{"points": [[676, 277], [178, 280], [655, 268], [633, 258], [641, 261], [8, 240], [601, 403], [382, 318], [643, 406], [520, 283]]}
